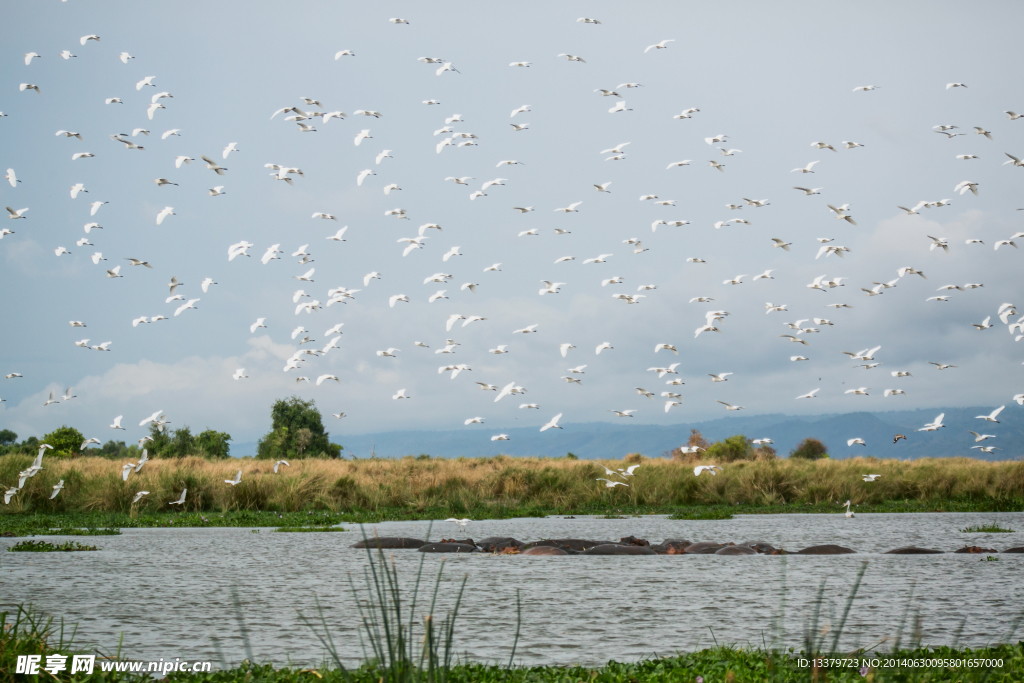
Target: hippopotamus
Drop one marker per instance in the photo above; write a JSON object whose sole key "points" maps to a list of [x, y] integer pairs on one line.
{"points": [[1019, 549], [736, 550], [448, 548], [825, 550], [633, 540], [464, 541], [544, 550], [703, 548], [389, 543], [671, 546], [975, 550], [911, 550], [495, 544], [616, 549], [567, 543], [760, 547]]}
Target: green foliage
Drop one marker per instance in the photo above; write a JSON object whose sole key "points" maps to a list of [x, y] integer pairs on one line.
{"points": [[993, 528], [571, 456], [7, 437], [297, 431], [809, 449], [181, 443], [46, 547], [703, 513], [213, 444], [66, 441], [115, 450], [734, 448], [308, 529]]}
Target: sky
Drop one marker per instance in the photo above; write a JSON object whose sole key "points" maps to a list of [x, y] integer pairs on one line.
{"points": [[773, 79]]}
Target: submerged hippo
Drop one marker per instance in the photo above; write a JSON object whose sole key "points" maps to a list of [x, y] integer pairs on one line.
{"points": [[671, 546], [1014, 550], [975, 550], [761, 547], [448, 548], [736, 550], [616, 549], [633, 540], [495, 544], [911, 550], [389, 543], [825, 550], [577, 544], [703, 548], [544, 550]]}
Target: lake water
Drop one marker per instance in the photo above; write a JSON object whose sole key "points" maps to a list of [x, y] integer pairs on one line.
{"points": [[169, 591]]}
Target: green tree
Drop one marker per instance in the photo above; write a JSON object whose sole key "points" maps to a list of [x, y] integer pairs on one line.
{"points": [[810, 449], [297, 431], [182, 443], [159, 444], [213, 444], [114, 450], [7, 437], [66, 441], [736, 447]]}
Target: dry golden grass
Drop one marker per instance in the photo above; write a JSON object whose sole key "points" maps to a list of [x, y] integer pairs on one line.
{"points": [[94, 484]]}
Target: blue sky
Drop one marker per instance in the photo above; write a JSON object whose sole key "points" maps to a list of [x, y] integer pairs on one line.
{"points": [[773, 79]]}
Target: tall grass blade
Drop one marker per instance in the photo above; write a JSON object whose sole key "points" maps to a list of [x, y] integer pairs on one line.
{"points": [[236, 603], [519, 622], [849, 603]]}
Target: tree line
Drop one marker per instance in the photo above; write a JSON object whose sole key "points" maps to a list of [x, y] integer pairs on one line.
{"points": [[297, 431], [740, 447]]}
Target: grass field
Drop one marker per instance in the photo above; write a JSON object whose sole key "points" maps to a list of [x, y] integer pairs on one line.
{"points": [[413, 488]]}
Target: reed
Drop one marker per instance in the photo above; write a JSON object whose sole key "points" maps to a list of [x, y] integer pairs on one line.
{"points": [[503, 486]]}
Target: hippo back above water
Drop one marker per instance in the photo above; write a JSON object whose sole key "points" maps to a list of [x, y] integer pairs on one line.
{"points": [[576, 544], [825, 550], [448, 548], [616, 549], [389, 543], [544, 550]]}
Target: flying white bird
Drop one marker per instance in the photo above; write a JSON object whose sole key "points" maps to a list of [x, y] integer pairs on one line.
{"points": [[552, 423], [991, 417]]}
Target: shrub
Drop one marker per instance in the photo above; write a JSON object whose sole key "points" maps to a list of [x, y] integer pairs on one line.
{"points": [[696, 439], [809, 449], [66, 441], [737, 447], [764, 452]]}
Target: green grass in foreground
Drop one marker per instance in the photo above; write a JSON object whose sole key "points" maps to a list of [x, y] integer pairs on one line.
{"points": [[993, 528], [715, 665], [25, 524], [44, 547]]}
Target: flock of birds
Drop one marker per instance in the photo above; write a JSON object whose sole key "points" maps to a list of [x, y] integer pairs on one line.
{"points": [[311, 112]]}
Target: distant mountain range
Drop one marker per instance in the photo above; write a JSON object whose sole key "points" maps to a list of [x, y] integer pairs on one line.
{"points": [[613, 440]]}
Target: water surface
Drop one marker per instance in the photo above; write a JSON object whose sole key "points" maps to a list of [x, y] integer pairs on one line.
{"points": [[169, 591]]}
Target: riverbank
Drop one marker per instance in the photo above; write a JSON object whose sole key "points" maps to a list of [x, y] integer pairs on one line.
{"points": [[501, 487]]}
